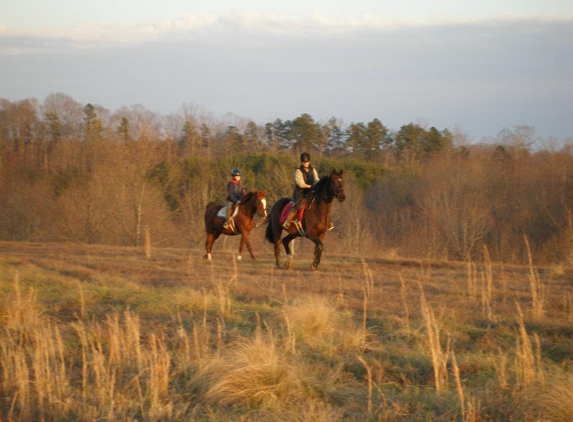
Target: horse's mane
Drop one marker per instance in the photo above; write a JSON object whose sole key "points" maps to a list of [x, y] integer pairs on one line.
{"points": [[321, 184], [248, 196]]}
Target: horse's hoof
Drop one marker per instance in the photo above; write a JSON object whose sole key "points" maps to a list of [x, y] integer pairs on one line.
{"points": [[314, 267], [287, 264]]}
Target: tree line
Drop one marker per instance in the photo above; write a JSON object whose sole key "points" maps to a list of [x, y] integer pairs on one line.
{"points": [[75, 172]]}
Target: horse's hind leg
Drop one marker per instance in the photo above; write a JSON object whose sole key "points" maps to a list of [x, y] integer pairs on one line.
{"points": [[277, 252], [286, 243], [211, 237]]}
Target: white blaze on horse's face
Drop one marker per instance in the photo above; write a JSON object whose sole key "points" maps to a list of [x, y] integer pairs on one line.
{"points": [[264, 204]]}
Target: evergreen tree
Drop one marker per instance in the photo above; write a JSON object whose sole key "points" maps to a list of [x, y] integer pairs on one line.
{"points": [[356, 139], [92, 128], [334, 136], [123, 130], [305, 134]]}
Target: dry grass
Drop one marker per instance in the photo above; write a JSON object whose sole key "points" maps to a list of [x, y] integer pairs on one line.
{"points": [[251, 373], [94, 333], [557, 401]]}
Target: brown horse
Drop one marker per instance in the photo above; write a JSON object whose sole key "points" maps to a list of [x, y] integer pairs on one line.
{"points": [[315, 221], [242, 222]]}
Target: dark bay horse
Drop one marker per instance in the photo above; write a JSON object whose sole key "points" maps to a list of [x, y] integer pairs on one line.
{"points": [[315, 221], [243, 223]]}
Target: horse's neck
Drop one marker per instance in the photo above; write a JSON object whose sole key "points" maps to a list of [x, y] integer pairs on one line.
{"points": [[323, 202], [250, 205]]}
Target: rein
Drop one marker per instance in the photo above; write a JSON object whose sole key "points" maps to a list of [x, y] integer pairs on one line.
{"points": [[326, 198], [255, 208], [241, 208]]}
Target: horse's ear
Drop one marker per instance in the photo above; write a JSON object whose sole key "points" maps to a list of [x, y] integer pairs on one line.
{"points": [[340, 172], [333, 172]]}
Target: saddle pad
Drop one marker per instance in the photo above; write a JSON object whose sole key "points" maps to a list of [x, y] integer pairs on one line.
{"points": [[286, 210], [222, 213]]}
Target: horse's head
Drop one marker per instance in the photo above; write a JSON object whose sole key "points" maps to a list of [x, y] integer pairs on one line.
{"points": [[337, 184], [262, 204]]}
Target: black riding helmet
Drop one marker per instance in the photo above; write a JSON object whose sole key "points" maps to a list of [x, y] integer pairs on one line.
{"points": [[236, 172], [305, 156]]}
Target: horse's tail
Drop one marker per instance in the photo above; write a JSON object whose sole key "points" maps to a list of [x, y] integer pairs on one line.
{"points": [[273, 220], [269, 233]]}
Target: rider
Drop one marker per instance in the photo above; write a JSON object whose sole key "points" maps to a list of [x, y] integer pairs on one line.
{"points": [[235, 192], [304, 178]]}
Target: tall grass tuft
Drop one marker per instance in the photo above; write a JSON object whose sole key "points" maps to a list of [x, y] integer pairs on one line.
{"points": [[557, 402], [536, 285], [251, 373], [316, 322], [404, 297], [528, 366], [438, 354], [32, 356], [487, 296], [471, 280]]}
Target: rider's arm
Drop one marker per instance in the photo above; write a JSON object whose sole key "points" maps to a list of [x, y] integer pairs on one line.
{"points": [[315, 176], [235, 193], [299, 180]]}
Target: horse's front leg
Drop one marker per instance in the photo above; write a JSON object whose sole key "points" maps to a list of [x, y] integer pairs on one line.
{"points": [[318, 249], [245, 241]]}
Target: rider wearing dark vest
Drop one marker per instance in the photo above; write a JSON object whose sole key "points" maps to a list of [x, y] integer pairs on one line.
{"points": [[304, 178]]}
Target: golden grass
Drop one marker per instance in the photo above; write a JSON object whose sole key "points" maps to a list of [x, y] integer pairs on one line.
{"points": [[93, 333], [252, 372], [317, 322], [557, 401]]}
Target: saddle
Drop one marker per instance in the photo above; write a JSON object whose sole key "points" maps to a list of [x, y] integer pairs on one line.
{"points": [[222, 213]]}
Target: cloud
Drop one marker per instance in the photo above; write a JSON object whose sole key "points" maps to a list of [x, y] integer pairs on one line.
{"points": [[481, 74], [225, 27]]}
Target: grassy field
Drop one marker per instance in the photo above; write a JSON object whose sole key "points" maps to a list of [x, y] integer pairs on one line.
{"points": [[94, 333]]}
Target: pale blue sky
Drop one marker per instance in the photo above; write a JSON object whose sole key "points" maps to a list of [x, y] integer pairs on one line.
{"points": [[482, 66]]}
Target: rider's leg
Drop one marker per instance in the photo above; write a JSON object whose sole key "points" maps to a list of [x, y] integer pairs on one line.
{"points": [[291, 215], [229, 212]]}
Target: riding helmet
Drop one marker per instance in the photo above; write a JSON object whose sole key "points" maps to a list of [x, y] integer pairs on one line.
{"points": [[236, 172], [305, 156]]}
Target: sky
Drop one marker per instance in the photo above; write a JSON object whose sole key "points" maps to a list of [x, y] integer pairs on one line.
{"points": [[477, 67]]}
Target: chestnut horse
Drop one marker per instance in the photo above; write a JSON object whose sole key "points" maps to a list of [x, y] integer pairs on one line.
{"points": [[242, 223], [315, 221]]}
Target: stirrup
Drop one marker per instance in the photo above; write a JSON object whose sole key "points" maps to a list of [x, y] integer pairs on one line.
{"points": [[331, 227], [287, 224]]}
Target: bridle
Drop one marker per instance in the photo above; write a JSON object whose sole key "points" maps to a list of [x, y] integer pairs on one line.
{"points": [[261, 206]]}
